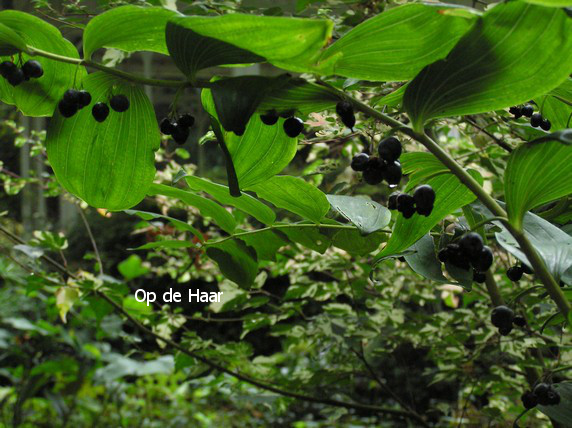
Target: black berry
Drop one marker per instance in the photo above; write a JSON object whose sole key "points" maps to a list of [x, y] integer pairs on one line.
{"points": [[374, 173], [457, 257], [552, 397], [346, 112], [100, 111], [119, 103], [501, 316], [527, 110], [471, 244], [479, 277], [389, 149], [32, 69], [514, 273], [186, 120], [424, 199], [392, 201], [84, 99], [66, 109], [393, 173], [7, 68], [71, 96], [516, 112], [16, 77], [545, 125], [540, 391], [505, 331], [293, 126], [270, 117], [519, 321], [536, 120], [287, 113], [360, 162], [406, 205], [484, 260], [529, 400], [180, 133], [166, 126], [443, 255]]}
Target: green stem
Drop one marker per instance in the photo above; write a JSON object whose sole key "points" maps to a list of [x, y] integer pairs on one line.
{"points": [[110, 70], [527, 248], [480, 224]]}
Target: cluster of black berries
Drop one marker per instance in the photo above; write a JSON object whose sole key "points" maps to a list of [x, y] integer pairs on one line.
{"points": [[536, 119], [179, 128], [72, 101], [421, 202], [385, 167], [503, 318], [16, 75], [293, 126], [543, 394], [515, 272], [469, 251], [345, 110]]}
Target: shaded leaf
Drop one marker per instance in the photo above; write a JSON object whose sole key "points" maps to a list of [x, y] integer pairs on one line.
{"points": [[309, 236], [562, 412], [236, 261], [266, 243], [423, 260], [507, 58], [178, 224]]}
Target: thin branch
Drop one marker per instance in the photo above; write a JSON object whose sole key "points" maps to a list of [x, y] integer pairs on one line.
{"points": [[498, 141], [91, 238]]}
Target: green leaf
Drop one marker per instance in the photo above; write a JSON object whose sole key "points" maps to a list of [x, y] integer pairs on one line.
{"points": [[207, 207], [266, 243], [354, 242], [507, 58], [65, 299], [397, 44], [308, 235], [110, 164], [451, 195], [236, 261], [10, 41], [39, 97], [128, 28], [197, 42], [422, 259], [295, 195], [420, 166], [167, 243], [245, 202], [563, 136], [536, 174], [557, 111], [561, 412], [301, 96], [132, 267], [261, 153], [366, 214], [551, 3], [178, 224]]}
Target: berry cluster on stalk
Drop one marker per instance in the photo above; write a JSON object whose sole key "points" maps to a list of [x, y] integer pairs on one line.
{"points": [[386, 166], [469, 251], [536, 119], [178, 128], [16, 75], [421, 202]]}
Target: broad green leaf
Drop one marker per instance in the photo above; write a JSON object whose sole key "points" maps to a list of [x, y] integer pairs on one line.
{"points": [[558, 112], [266, 243], [39, 97], [551, 3], [295, 195], [564, 136], [564, 91], [197, 42], [451, 195], [10, 41], [354, 242], [167, 243], [397, 44], [366, 214], [110, 164], [420, 166], [244, 202], [536, 174], [178, 224], [236, 261], [261, 153], [207, 207], [552, 243], [507, 58], [561, 412], [128, 28], [422, 259], [308, 235], [301, 96]]}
